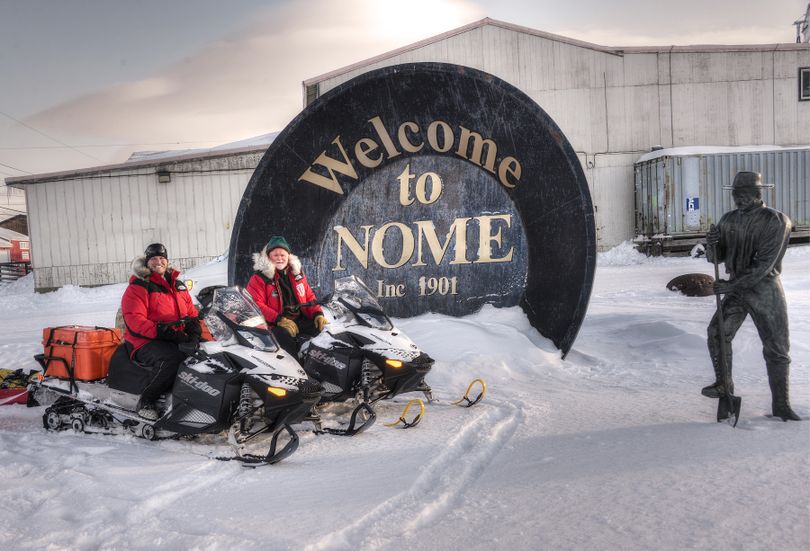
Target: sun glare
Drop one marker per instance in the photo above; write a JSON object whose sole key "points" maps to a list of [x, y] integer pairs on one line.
{"points": [[403, 22]]}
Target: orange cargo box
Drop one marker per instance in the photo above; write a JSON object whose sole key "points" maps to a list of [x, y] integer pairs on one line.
{"points": [[79, 350]]}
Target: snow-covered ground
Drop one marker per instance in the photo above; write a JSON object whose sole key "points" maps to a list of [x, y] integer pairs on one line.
{"points": [[612, 448]]}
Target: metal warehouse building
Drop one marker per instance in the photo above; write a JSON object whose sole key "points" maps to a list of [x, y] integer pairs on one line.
{"points": [[613, 104], [87, 225]]}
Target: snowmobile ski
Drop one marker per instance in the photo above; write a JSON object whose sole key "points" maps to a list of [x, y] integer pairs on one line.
{"points": [[238, 442], [368, 418], [404, 419], [465, 401]]}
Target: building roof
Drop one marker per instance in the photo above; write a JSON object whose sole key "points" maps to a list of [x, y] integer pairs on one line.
{"points": [[7, 235], [611, 50], [152, 159], [697, 150]]}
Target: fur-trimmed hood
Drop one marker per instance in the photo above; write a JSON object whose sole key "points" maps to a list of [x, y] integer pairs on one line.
{"points": [[262, 264], [142, 271]]}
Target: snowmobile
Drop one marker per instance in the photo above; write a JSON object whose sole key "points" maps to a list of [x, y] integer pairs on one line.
{"points": [[240, 381], [360, 355]]}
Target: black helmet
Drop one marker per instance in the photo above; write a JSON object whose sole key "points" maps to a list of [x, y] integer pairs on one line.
{"points": [[155, 249]]}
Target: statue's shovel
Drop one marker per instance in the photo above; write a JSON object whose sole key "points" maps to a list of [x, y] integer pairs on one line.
{"points": [[728, 406]]}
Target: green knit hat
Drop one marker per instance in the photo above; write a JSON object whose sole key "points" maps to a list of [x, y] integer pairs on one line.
{"points": [[277, 241]]}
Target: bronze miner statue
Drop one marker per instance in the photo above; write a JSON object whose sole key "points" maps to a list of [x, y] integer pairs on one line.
{"points": [[751, 241]]}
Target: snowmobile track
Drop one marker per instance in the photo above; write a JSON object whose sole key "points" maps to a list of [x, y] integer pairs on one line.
{"points": [[438, 488]]}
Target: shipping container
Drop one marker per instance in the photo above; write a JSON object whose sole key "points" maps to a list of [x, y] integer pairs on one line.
{"points": [[679, 191]]}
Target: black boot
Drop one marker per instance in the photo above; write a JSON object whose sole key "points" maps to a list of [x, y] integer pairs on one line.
{"points": [[780, 405], [717, 389]]}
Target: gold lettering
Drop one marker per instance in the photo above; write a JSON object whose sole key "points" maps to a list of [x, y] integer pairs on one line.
{"points": [[447, 136], [362, 148], [477, 149], [331, 165], [378, 252], [406, 144], [405, 178], [426, 231], [386, 140], [486, 238], [509, 166], [360, 251], [435, 188]]}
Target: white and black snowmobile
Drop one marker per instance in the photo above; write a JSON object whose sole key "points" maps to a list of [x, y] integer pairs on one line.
{"points": [[241, 381], [360, 355]]}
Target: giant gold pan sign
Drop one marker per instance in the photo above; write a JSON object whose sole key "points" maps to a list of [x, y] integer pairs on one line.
{"points": [[443, 188]]}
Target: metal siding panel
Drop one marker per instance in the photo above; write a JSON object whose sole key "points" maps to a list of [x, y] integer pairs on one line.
{"points": [[80, 200], [500, 53], [106, 220], [613, 198], [60, 250], [537, 63], [37, 216], [638, 70]]}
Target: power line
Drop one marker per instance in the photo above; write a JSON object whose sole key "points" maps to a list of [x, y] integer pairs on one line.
{"points": [[49, 137], [14, 168]]}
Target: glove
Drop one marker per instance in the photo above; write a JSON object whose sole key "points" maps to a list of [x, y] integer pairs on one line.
{"points": [[320, 323], [192, 328], [288, 325], [167, 333]]}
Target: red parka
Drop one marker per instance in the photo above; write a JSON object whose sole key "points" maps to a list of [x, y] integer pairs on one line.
{"points": [[264, 288], [152, 298]]}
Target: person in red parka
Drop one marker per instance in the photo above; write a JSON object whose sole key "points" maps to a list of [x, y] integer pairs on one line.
{"points": [[279, 287], [154, 298]]}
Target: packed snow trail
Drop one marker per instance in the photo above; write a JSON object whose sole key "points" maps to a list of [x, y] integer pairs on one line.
{"points": [[442, 483]]}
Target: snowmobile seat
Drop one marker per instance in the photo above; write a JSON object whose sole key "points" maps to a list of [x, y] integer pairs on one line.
{"points": [[126, 374]]}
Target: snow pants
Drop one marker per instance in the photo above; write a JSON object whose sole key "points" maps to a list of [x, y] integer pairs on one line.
{"points": [[165, 358], [306, 330]]}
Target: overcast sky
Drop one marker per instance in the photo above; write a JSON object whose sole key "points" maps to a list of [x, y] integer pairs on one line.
{"points": [[87, 82]]}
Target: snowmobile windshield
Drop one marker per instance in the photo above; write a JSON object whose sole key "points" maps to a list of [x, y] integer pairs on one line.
{"points": [[235, 319], [354, 301]]}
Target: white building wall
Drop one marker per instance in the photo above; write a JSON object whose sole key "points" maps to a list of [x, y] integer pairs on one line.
{"points": [[87, 229]]}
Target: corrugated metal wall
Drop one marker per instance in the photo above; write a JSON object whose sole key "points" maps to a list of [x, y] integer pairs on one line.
{"points": [[681, 196], [86, 230]]}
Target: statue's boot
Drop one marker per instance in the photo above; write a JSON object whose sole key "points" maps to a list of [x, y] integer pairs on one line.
{"points": [[717, 389], [780, 405]]}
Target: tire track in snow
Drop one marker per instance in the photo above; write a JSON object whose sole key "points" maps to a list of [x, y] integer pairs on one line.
{"points": [[438, 488], [166, 494]]}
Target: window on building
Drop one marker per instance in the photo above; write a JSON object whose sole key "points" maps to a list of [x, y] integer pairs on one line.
{"points": [[24, 245], [25, 256], [804, 84]]}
